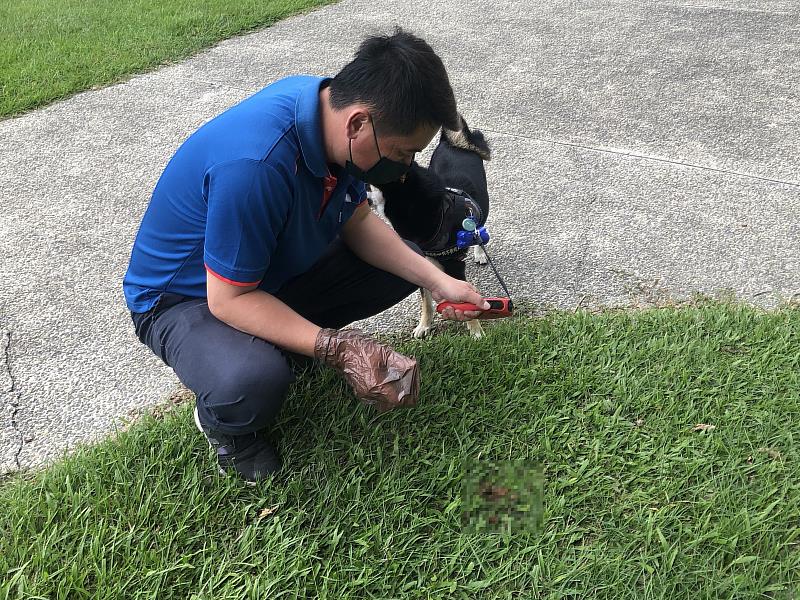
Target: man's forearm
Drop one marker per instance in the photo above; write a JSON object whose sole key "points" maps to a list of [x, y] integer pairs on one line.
{"points": [[374, 242], [263, 315]]}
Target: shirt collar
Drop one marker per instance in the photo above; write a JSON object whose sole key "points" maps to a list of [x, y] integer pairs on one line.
{"points": [[309, 131]]}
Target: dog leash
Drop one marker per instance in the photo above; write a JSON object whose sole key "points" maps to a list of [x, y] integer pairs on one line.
{"points": [[498, 307]]}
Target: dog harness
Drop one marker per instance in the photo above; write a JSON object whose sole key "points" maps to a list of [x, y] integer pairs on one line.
{"points": [[454, 232]]}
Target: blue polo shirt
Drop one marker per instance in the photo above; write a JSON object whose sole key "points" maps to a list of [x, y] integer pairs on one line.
{"points": [[248, 198]]}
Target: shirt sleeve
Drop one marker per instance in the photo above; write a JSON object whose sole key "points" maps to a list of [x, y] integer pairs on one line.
{"points": [[248, 204], [359, 190]]}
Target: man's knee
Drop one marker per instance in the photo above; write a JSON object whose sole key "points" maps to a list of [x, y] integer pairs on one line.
{"points": [[248, 395]]}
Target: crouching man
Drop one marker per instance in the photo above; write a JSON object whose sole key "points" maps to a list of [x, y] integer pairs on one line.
{"points": [[258, 245]]}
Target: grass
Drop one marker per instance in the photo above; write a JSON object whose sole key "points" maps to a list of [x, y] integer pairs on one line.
{"points": [[636, 502], [50, 49]]}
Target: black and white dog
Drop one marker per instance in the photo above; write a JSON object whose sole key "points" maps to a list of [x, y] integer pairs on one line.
{"points": [[428, 207]]}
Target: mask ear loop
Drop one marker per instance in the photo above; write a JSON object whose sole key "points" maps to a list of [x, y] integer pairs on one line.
{"points": [[380, 154], [375, 135]]}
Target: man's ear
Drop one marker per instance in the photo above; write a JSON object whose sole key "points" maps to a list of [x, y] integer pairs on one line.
{"points": [[356, 122]]}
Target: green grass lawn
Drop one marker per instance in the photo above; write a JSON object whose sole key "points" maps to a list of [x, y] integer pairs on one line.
{"points": [[50, 49], [636, 501]]}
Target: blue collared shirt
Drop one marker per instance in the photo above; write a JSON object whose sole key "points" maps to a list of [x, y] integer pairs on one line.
{"points": [[248, 198]]}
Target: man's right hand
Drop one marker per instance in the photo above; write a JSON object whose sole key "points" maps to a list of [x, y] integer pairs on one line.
{"points": [[457, 291], [377, 374]]}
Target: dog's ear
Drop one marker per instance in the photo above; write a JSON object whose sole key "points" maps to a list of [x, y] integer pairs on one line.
{"points": [[467, 139]]}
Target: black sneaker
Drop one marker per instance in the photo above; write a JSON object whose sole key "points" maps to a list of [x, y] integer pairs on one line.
{"points": [[252, 456]]}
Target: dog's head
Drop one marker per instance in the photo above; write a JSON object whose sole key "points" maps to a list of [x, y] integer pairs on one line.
{"points": [[424, 211], [414, 204]]}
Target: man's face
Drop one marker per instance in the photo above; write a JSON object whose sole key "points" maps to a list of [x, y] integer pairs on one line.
{"points": [[399, 148]]}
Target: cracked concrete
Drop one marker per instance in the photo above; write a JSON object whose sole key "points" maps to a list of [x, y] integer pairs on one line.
{"points": [[642, 152], [11, 438]]}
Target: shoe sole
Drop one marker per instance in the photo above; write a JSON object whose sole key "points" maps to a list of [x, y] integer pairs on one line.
{"points": [[221, 470]]}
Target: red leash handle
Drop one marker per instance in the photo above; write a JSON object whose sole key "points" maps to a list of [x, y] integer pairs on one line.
{"points": [[498, 308]]}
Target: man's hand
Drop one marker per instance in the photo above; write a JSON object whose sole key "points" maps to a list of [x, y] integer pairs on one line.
{"points": [[377, 374], [455, 290], [364, 232]]}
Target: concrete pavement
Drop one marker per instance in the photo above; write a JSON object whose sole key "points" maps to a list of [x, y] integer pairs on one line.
{"points": [[642, 151]]}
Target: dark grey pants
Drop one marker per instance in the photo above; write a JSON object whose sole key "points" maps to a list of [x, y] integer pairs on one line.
{"points": [[241, 381]]}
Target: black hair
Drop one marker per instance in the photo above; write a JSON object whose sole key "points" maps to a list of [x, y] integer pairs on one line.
{"points": [[402, 81]]}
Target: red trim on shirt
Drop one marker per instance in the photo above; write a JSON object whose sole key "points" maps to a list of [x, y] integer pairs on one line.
{"points": [[328, 185], [226, 280]]}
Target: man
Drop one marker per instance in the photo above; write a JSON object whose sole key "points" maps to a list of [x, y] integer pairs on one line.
{"points": [[258, 244]]}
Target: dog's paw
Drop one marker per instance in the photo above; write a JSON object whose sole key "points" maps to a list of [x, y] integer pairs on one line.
{"points": [[475, 328], [479, 255], [422, 331]]}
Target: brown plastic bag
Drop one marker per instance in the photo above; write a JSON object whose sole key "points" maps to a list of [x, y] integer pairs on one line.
{"points": [[377, 374]]}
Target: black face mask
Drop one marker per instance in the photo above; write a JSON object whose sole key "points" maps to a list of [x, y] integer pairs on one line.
{"points": [[384, 171]]}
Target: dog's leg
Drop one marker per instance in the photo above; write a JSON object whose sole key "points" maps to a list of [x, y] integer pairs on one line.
{"points": [[475, 328], [426, 308], [479, 255], [426, 311]]}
